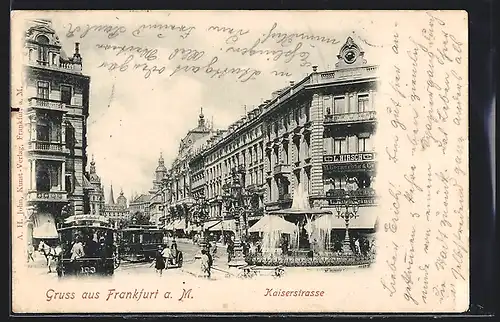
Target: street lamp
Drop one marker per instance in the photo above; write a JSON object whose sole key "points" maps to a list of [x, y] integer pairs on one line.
{"points": [[200, 215], [220, 200], [347, 209], [234, 200]]}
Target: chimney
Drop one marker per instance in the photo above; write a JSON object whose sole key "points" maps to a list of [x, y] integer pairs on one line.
{"points": [[315, 68], [292, 83], [77, 48]]}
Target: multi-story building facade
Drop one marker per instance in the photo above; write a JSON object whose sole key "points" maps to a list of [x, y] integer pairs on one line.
{"points": [[240, 146], [319, 134], [316, 134], [117, 212], [179, 194], [56, 121], [140, 204]]}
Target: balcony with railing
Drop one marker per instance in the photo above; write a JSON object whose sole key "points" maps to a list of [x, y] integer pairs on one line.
{"points": [[47, 196], [42, 146], [47, 104], [354, 117], [58, 65]]}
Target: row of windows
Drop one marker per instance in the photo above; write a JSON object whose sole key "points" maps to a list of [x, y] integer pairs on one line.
{"points": [[341, 105], [43, 92], [293, 118], [350, 144], [251, 155], [252, 177], [236, 143], [299, 149]]}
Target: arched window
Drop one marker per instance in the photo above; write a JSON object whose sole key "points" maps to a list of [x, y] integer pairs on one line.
{"points": [[43, 49]]}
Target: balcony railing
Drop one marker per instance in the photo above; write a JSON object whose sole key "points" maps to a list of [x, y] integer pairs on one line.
{"points": [[282, 169], [61, 65], [349, 157], [351, 117], [348, 73], [44, 103], [45, 146], [51, 196]]}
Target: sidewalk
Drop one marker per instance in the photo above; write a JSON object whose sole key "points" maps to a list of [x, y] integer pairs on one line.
{"points": [[189, 241], [192, 266]]}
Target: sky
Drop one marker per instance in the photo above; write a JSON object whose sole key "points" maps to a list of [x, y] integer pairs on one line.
{"points": [[133, 118]]}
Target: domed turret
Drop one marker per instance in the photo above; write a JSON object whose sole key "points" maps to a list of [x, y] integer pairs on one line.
{"points": [[161, 164], [121, 201]]}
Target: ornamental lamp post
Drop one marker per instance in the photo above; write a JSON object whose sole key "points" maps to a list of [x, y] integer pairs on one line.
{"points": [[235, 203], [347, 209], [220, 200], [200, 215]]}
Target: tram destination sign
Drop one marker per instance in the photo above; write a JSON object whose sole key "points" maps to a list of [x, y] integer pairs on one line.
{"points": [[95, 218]]}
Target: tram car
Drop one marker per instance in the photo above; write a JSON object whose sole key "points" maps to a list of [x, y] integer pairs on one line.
{"points": [[88, 247], [140, 242]]}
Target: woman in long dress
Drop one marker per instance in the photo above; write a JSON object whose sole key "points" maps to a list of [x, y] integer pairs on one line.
{"points": [[160, 262], [205, 267]]}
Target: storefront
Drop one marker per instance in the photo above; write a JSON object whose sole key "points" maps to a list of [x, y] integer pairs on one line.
{"points": [[44, 227]]}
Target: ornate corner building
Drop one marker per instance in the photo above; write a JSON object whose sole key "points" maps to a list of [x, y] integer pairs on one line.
{"points": [[56, 121], [317, 133]]}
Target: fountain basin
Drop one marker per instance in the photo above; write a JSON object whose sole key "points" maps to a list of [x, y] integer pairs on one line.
{"points": [[314, 261]]}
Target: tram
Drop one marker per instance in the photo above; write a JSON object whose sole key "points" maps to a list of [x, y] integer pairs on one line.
{"points": [[97, 253], [140, 242]]}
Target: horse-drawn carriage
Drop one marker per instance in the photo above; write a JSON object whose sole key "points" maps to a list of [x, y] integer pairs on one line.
{"points": [[88, 246]]}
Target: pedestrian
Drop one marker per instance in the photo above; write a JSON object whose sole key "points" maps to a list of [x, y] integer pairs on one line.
{"points": [[76, 253], [230, 250], [167, 256], [205, 267], [173, 253], [31, 251], [58, 256], [159, 261], [356, 247], [210, 260]]}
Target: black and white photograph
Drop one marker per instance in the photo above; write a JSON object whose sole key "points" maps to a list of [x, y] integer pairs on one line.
{"points": [[239, 161]]}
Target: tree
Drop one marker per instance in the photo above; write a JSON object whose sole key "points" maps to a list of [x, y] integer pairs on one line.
{"points": [[138, 218]]}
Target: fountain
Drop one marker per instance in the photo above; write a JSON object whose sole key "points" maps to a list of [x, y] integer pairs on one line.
{"points": [[308, 237]]}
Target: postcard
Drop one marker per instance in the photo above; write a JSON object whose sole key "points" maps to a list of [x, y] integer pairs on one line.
{"points": [[239, 161]]}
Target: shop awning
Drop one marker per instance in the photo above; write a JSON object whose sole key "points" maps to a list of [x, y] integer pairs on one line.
{"points": [[44, 226], [193, 227], [273, 223], [224, 225], [179, 224]]}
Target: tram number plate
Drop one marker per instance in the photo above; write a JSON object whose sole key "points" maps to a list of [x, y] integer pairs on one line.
{"points": [[87, 269]]}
